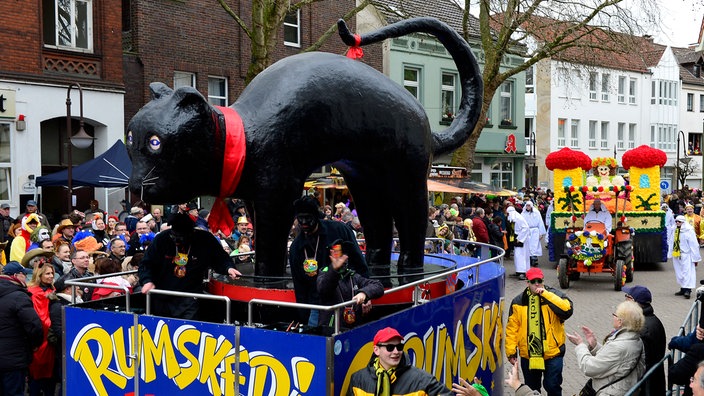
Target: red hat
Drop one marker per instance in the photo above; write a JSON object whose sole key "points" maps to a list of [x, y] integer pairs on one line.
{"points": [[385, 335], [534, 273]]}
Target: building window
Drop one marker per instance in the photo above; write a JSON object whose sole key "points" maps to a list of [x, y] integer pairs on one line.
{"points": [[506, 103], [605, 87], [217, 91], [621, 89], [604, 134], [477, 172], [562, 81], [694, 141], [701, 103], [631, 136], [667, 92], [411, 81], [448, 96], [621, 136], [662, 136], [5, 163], [593, 84], [574, 134], [68, 24], [184, 79], [592, 134], [632, 91], [690, 102], [561, 132], [653, 92], [530, 78], [292, 29], [502, 174]]}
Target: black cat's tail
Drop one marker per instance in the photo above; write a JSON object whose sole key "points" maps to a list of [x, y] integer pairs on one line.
{"points": [[470, 75]]}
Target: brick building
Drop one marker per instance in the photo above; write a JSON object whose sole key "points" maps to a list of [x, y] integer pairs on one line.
{"points": [[47, 45], [198, 44]]}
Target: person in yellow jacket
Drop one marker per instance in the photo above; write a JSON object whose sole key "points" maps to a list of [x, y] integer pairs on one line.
{"points": [[695, 221], [536, 331]]}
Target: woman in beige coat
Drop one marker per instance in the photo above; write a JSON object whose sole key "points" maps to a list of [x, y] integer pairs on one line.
{"points": [[615, 366]]}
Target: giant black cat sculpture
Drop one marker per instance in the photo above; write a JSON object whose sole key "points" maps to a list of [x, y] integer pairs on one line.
{"points": [[303, 112]]}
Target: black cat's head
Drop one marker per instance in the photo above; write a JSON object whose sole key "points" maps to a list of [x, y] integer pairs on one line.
{"points": [[172, 144]]}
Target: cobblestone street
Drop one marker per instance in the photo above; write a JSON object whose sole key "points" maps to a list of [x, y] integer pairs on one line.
{"points": [[594, 300]]}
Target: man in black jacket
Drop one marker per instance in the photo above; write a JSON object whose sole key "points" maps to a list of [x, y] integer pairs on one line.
{"points": [[20, 327], [178, 259], [652, 335], [390, 372], [310, 253]]}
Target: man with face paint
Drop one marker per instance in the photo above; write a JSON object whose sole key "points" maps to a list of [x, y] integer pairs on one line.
{"points": [[178, 259], [310, 253]]}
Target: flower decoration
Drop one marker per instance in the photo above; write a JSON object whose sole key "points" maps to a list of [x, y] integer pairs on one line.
{"points": [[566, 159]]}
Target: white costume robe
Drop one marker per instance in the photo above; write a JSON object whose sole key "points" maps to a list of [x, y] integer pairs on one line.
{"points": [[685, 272], [669, 224], [602, 216], [537, 229], [521, 254]]}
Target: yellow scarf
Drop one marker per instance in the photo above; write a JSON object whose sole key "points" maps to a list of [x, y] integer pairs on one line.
{"points": [[535, 334], [676, 245], [384, 379]]}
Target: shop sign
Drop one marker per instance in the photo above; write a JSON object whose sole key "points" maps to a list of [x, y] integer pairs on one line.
{"points": [[7, 103]]}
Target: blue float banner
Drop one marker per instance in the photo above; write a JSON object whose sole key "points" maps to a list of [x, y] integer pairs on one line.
{"points": [[181, 356], [98, 346], [281, 363], [460, 335]]}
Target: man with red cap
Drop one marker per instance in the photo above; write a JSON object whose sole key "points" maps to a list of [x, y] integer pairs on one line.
{"points": [[390, 372], [538, 337]]}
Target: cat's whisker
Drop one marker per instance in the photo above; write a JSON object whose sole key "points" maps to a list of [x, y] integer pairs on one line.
{"points": [[150, 179], [149, 173], [147, 184]]}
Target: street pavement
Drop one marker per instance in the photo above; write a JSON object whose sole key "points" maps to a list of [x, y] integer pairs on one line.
{"points": [[594, 301]]}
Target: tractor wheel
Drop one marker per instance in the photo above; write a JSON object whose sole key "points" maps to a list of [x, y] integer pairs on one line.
{"points": [[562, 276], [618, 275], [629, 271]]}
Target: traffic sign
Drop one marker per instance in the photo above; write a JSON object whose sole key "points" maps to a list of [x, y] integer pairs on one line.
{"points": [[664, 185]]}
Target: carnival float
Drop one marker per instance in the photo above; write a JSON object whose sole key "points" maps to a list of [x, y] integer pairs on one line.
{"points": [[634, 231]]}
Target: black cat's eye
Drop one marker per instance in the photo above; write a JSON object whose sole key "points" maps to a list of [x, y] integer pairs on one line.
{"points": [[154, 143], [129, 138]]}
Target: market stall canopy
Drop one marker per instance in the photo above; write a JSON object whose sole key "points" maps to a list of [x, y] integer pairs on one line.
{"points": [[486, 189], [110, 169], [437, 186]]}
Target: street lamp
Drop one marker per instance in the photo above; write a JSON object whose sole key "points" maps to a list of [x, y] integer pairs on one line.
{"points": [[533, 165], [677, 163], [81, 139]]}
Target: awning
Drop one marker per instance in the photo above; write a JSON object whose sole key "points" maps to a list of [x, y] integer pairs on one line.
{"points": [[436, 186], [110, 169]]}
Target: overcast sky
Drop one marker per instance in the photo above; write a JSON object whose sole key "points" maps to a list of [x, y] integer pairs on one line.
{"points": [[681, 20]]}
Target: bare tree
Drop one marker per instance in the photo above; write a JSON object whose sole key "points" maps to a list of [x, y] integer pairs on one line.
{"points": [[545, 29], [267, 20], [686, 168]]}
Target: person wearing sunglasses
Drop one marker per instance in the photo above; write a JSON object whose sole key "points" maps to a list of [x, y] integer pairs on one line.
{"points": [[390, 371], [539, 339]]}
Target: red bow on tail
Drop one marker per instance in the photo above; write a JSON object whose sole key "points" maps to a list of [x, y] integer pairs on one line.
{"points": [[356, 52]]}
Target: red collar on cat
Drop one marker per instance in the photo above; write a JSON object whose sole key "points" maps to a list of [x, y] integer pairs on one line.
{"points": [[232, 165]]}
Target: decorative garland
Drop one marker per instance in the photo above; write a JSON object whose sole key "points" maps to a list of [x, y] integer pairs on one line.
{"points": [[608, 161]]}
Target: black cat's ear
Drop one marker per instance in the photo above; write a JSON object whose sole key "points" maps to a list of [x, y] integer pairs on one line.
{"points": [[187, 97], [160, 90]]}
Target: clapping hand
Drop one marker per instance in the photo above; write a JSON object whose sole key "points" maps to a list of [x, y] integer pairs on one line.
{"points": [[575, 338], [464, 388]]}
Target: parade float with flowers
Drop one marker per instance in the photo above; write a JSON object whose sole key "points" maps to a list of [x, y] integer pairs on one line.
{"points": [[637, 223]]}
